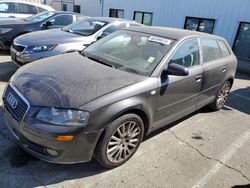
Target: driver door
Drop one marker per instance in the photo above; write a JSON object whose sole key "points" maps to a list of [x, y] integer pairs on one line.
{"points": [[178, 95]]}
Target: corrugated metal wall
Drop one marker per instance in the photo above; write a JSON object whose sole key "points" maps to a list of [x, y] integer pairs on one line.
{"points": [[32, 1], [172, 13]]}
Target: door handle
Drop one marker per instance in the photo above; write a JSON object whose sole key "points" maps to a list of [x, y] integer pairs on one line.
{"points": [[224, 69], [198, 78]]}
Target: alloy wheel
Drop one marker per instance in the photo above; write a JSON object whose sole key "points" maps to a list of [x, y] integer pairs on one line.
{"points": [[223, 95], [123, 142]]}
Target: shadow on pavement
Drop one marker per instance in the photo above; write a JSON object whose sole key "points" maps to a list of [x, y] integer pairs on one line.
{"points": [[7, 68], [241, 186], [240, 100], [4, 53], [242, 76]]}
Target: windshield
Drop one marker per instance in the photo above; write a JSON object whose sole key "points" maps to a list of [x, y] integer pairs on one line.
{"points": [[130, 51], [39, 17], [85, 28]]}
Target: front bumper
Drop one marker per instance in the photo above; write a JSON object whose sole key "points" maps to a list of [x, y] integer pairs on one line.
{"points": [[21, 59], [38, 142]]}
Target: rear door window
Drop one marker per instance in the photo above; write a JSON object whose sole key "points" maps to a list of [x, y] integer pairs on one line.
{"points": [[210, 50], [187, 54], [26, 9], [223, 47]]}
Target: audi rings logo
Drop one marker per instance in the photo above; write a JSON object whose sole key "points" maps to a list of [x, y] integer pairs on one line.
{"points": [[12, 101]]}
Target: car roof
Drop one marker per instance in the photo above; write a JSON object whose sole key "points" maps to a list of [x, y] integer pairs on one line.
{"points": [[49, 8], [111, 20], [67, 12], [173, 33]]}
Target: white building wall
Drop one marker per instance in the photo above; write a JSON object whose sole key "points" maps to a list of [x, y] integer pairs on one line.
{"points": [[88, 7], [172, 13], [32, 1]]}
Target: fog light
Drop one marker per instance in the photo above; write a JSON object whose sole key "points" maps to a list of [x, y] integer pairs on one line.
{"points": [[51, 152]]}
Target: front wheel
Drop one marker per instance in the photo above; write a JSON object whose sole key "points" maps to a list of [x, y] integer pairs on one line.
{"points": [[120, 141], [221, 97]]}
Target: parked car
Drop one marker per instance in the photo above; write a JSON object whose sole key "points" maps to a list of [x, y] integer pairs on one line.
{"points": [[71, 107], [9, 30], [72, 38], [17, 9]]}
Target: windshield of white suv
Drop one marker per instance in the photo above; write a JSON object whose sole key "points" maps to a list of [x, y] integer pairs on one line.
{"points": [[85, 27], [130, 51], [39, 17]]}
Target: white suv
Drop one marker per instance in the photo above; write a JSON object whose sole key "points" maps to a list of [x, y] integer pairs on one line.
{"points": [[18, 9]]}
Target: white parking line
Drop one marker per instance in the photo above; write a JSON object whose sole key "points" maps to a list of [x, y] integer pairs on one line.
{"points": [[230, 151]]}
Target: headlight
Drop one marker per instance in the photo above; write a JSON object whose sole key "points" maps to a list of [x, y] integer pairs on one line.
{"points": [[34, 49], [5, 30], [58, 116]]}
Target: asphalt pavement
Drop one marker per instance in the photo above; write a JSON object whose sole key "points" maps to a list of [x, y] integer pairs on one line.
{"points": [[204, 149]]}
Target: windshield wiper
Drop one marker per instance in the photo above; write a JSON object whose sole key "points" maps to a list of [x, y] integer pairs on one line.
{"points": [[100, 61], [131, 70]]}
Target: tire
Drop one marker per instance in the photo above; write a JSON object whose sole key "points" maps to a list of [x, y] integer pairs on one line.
{"points": [[221, 97], [120, 141]]}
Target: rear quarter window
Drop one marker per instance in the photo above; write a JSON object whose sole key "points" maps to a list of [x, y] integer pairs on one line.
{"points": [[210, 50], [224, 49], [41, 9], [78, 18]]}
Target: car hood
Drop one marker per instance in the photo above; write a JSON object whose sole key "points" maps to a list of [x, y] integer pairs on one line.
{"points": [[9, 22], [69, 81], [53, 36]]}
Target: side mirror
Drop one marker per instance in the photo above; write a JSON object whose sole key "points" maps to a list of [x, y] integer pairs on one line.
{"points": [[104, 34], [48, 23], [177, 70]]}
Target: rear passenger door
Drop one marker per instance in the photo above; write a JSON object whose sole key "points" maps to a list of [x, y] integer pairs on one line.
{"points": [[214, 70]]}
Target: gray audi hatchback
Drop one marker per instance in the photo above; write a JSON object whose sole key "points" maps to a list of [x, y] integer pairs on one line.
{"points": [[103, 102]]}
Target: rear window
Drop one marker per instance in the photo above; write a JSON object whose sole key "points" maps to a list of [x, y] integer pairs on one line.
{"points": [[223, 47], [210, 50], [114, 28]]}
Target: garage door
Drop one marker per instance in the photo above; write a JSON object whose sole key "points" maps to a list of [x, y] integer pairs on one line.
{"points": [[242, 42]]}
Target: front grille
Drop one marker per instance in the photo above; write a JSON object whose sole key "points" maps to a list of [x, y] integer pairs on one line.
{"points": [[15, 104], [18, 48]]}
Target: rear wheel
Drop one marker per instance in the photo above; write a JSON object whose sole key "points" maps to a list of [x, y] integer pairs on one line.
{"points": [[120, 141], [221, 97]]}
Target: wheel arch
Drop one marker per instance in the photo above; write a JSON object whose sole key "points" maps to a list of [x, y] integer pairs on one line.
{"points": [[139, 112], [231, 80]]}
